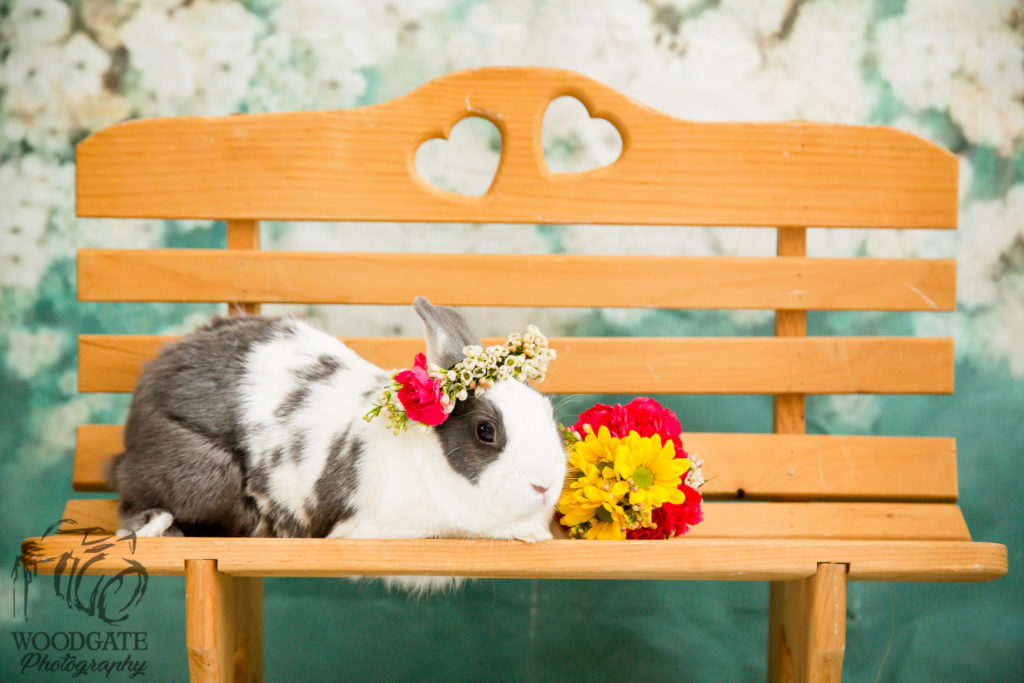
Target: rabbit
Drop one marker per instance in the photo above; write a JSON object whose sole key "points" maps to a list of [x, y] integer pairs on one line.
{"points": [[253, 426]]}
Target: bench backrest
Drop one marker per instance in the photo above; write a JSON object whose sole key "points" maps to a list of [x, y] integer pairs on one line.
{"points": [[358, 164]]}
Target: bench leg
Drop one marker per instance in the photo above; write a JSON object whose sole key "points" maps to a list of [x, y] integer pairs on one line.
{"points": [[807, 627], [223, 624]]}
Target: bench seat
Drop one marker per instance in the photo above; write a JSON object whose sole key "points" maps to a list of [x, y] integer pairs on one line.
{"points": [[738, 559]]}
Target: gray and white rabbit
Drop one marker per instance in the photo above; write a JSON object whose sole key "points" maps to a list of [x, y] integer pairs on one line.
{"points": [[253, 426]]}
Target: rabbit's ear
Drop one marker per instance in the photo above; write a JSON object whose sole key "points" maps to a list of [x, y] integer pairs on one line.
{"points": [[446, 333]]}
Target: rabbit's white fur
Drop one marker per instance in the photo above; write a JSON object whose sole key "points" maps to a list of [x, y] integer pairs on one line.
{"points": [[406, 489], [411, 492]]}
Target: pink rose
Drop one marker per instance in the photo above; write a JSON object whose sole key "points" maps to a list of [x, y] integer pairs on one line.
{"points": [[420, 395]]}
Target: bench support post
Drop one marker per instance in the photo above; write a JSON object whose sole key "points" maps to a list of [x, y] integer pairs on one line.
{"points": [[807, 627], [223, 624], [243, 234]]}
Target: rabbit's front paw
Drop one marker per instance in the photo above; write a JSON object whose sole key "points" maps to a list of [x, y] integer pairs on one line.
{"points": [[531, 533]]}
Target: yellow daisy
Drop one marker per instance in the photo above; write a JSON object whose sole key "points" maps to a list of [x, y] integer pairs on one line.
{"points": [[609, 524], [581, 505], [649, 471], [583, 473], [595, 507], [597, 450]]}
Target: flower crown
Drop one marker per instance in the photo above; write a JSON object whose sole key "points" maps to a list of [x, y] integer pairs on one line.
{"points": [[427, 394]]}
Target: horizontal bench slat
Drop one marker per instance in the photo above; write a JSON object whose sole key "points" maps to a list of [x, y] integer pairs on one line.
{"points": [[210, 275], [815, 467], [848, 521], [684, 558], [706, 365], [357, 164]]}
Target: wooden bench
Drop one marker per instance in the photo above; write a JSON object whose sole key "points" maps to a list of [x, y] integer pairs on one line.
{"points": [[816, 510]]}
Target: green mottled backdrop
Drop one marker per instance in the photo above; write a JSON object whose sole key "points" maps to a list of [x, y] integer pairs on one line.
{"points": [[949, 70]]}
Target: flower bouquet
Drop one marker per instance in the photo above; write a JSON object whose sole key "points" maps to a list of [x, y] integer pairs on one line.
{"points": [[629, 476]]}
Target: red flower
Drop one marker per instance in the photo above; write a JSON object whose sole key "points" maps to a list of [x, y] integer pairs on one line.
{"points": [[600, 415], [673, 520], [645, 416], [420, 395]]}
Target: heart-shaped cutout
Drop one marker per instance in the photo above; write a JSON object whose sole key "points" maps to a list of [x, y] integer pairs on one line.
{"points": [[466, 162], [574, 141]]}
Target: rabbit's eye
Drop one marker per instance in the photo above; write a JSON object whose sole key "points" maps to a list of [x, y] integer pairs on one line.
{"points": [[485, 431]]}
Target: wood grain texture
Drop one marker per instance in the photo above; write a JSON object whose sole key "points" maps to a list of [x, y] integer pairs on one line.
{"points": [[358, 164], [807, 641], [747, 559], [755, 466], [854, 520], [798, 466], [707, 365], [208, 611], [248, 664], [780, 647], [789, 411], [223, 624], [516, 280], [241, 235], [778, 520]]}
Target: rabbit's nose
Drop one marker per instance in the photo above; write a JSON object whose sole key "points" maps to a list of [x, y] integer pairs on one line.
{"points": [[542, 490]]}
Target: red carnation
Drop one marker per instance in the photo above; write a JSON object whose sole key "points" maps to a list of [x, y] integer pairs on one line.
{"points": [[600, 415], [420, 395], [647, 417], [673, 520]]}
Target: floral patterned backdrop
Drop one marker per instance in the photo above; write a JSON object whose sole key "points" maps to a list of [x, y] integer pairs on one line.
{"points": [[949, 70]]}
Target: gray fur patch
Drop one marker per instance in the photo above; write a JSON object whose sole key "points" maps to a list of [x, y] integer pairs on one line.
{"points": [[296, 448], [292, 402], [283, 523], [337, 484], [322, 370], [276, 456], [183, 439], [259, 476], [468, 455], [185, 448]]}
